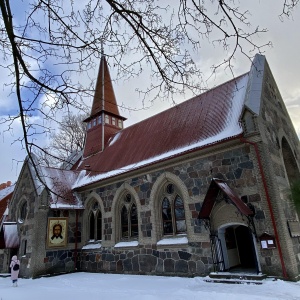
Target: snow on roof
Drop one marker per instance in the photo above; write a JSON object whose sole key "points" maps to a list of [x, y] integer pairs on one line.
{"points": [[71, 160], [6, 191], [6, 212], [11, 236], [5, 195], [201, 121], [256, 84], [59, 182], [114, 139]]}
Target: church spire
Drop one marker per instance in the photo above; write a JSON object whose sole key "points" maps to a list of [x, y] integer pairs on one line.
{"points": [[105, 119], [104, 98]]}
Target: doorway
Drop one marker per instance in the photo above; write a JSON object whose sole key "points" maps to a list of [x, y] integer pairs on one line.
{"points": [[238, 248]]}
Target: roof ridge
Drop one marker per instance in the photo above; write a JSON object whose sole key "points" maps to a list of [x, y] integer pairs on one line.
{"points": [[183, 102]]}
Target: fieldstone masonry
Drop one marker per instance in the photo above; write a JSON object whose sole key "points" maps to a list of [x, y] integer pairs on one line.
{"points": [[233, 165], [195, 259], [268, 135]]}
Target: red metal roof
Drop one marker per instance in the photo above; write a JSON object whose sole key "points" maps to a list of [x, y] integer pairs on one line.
{"points": [[93, 142], [5, 196], [198, 119], [215, 186]]}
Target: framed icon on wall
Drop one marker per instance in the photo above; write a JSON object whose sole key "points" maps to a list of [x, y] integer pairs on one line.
{"points": [[57, 233]]}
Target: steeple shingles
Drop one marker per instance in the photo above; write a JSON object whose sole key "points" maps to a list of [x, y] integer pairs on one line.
{"points": [[104, 90]]}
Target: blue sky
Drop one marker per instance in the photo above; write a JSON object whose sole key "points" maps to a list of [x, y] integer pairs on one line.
{"points": [[282, 58]]}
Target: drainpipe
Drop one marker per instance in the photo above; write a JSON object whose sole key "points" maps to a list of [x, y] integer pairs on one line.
{"points": [[102, 86], [76, 232], [269, 203]]}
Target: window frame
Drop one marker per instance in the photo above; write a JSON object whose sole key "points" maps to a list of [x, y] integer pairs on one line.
{"points": [[22, 215], [120, 123], [24, 247], [95, 230], [128, 204], [172, 197]]}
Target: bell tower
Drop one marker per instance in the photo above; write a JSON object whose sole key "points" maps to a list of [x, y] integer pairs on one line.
{"points": [[105, 119]]}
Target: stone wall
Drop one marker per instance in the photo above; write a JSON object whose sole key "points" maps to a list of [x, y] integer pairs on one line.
{"points": [[192, 177], [276, 128], [25, 193], [60, 261], [190, 260]]}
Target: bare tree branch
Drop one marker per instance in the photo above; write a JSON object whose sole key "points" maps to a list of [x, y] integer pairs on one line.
{"points": [[49, 57]]}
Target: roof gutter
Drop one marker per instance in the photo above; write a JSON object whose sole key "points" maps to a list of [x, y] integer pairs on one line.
{"points": [[236, 137], [243, 140]]}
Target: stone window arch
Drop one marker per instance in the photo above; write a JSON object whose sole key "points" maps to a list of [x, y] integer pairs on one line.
{"points": [[93, 218], [171, 187], [126, 209]]}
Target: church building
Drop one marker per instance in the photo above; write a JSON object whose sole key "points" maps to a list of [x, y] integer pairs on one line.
{"points": [[201, 187]]}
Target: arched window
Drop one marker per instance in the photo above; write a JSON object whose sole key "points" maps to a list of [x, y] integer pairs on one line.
{"points": [[95, 223], [99, 226], [173, 215], [179, 215], [92, 226], [167, 217], [129, 218], [23, 212], [134, 221], [124, 222]]}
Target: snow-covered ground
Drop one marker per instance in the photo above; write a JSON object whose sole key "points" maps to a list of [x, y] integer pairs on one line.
{"points": [[87, 286]]}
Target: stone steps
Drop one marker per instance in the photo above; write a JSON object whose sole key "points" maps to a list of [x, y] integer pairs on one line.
{"points": [[236, 278]]}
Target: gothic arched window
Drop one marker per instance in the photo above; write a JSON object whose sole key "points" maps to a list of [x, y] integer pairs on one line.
{"points": [[95, 223], [23, 212], [129, 218], [173, 214]]}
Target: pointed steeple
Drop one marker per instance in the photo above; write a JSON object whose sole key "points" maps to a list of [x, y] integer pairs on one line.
{"points": [[104, 98], [105, 119]]}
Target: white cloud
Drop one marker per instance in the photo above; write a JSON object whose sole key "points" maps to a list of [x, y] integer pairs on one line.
{"points": [[12, 152], [282, 58], [12, 146]]}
